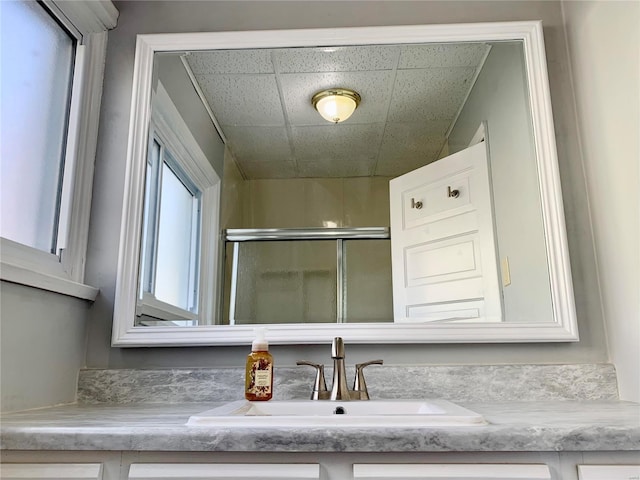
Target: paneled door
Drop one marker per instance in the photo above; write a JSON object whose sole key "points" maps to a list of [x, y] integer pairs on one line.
{"points": [[443, 244]]}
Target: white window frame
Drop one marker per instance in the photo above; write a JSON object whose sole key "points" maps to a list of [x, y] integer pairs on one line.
{"points": [[167, 124], [148, 304], [88, 22]]}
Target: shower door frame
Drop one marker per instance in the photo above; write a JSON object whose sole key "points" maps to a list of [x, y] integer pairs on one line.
{"points": [[339, 235]]}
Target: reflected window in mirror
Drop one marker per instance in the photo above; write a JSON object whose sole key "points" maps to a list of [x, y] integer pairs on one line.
{"points": [[170, 239], [180, 219]]}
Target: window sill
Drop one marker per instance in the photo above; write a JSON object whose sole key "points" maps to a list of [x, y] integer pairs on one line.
{"points": [[24, 276]]}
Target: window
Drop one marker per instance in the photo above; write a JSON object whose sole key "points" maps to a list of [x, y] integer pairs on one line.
{"points": [[52, 56], [37, 72], [180, 217], [171, 235]]}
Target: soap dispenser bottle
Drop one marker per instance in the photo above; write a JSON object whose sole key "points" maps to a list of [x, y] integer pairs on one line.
{"points": [[259, 371]]}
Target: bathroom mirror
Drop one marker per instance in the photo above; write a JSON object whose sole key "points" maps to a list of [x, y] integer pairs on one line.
{"points": [[401, 65]]}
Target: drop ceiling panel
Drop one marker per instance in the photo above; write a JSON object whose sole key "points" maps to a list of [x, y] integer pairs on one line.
{"points": [[410, 95], [401, 164], [374, 88], [443, 55], [406, 146], [259, 144], [337, 59], [243, 99], [230, 61], [342, 141], [412, 137], [431, 94], [336, 168]]}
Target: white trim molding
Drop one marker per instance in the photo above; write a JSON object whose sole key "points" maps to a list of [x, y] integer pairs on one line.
{"points": [[93, 16], [51, 283], [561, 328]]}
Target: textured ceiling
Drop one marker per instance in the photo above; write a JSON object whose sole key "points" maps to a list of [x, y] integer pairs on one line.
{"points": [[410, 96]]}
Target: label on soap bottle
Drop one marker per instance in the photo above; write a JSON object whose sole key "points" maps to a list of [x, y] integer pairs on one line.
{"points": [[263, 377], [259, 378]]}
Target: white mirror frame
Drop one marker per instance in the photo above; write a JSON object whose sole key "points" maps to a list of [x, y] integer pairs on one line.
{"points": [[562, 329]]}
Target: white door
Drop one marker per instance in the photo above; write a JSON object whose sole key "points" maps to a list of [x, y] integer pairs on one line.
{"points": [[443, 242]]}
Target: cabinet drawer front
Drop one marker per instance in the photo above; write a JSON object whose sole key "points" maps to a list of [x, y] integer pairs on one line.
{"points": [[51, 471], [609, 472], [223, 471], [450, 472]]}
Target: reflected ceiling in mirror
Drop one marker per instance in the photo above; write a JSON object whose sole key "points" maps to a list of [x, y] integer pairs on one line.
{"points": [[411, 96]]}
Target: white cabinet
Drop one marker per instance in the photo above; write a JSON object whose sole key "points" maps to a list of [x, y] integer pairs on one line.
{"points": [[450, 472], [51, 471], [223, 471], [609, 472], [143, 465]]}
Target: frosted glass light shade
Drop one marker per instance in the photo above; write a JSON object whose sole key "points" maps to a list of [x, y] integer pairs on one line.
{"points": [[336, 105]]}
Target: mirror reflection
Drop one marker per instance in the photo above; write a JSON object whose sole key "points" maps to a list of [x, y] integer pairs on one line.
{"points": [[235, 143]]}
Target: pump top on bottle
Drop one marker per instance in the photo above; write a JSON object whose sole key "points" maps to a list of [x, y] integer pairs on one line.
{"points": [[260, 344]]}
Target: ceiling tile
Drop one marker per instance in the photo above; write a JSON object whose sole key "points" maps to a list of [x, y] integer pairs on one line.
{"points": [[336, 168], [415, 138], [243, 99], [432, 94], [230, 61], [341, 141], [373, 87], [405, 147], [255, 170], [258, 144], [424, 95], [394, 167], [337, 59], [443, 55]]}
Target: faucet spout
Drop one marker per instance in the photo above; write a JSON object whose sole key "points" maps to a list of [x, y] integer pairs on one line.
{"points": [[339, 388]]}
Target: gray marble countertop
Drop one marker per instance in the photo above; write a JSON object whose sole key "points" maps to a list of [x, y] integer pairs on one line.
{"points": [[512, 426]]}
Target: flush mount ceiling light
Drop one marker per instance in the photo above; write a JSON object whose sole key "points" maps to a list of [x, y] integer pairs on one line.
{"points": [[336, 104]]}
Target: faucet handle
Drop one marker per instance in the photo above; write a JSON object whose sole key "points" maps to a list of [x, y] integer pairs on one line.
{"points": [[359, 384], [320, 384]]}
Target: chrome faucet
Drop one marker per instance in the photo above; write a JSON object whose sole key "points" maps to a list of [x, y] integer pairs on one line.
{"points": [[339, 388]]}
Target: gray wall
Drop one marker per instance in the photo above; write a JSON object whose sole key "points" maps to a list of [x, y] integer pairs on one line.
{"points": [[42, 347], [184, 16], [173, 76], [604, 43]]}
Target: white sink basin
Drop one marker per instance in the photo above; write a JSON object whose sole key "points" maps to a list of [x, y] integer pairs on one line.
{"points": [[415, 413]]}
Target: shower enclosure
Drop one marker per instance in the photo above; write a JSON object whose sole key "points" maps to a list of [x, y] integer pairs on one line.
{"points": [[324, 275]]}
